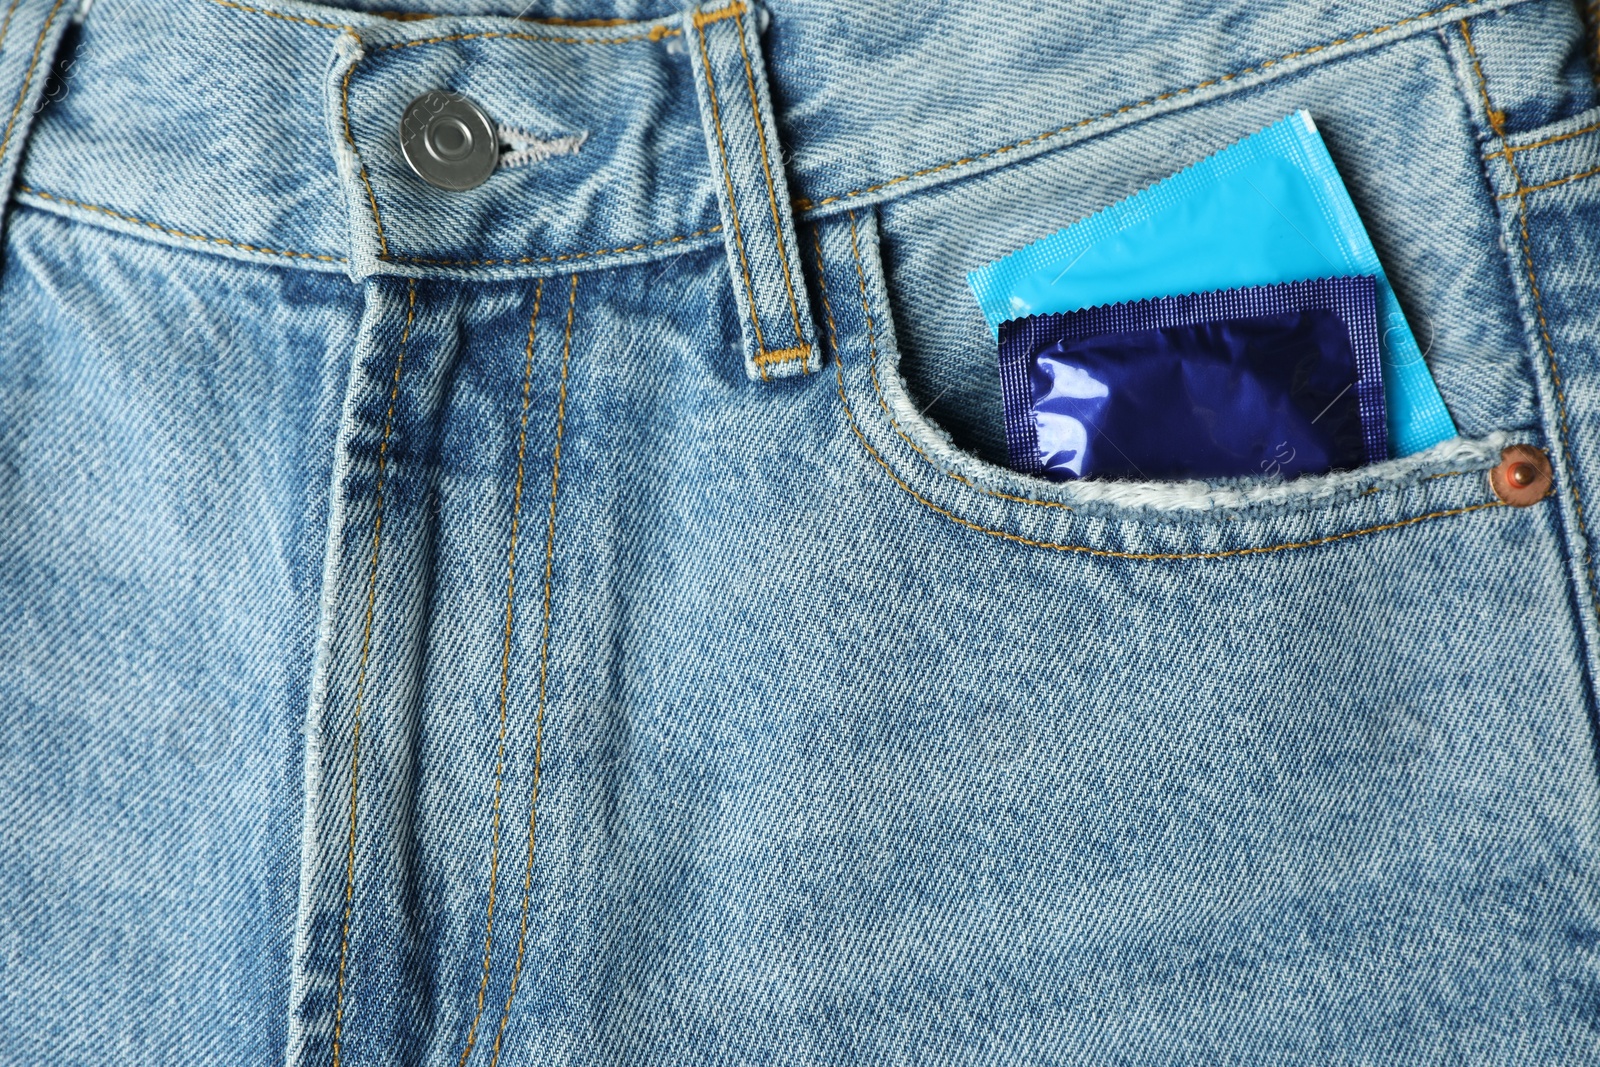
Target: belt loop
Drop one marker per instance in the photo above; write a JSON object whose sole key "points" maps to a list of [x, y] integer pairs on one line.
{"points": [[752, 194], [30, 34]]}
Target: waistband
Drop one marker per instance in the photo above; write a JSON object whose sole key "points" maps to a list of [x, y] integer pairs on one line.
{"points": [[270, 131]]}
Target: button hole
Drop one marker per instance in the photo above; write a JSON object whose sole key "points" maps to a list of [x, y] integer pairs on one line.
{"points": [[518, 148]]}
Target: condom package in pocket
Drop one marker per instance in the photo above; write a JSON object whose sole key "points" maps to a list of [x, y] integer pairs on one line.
{"points": [[1277, 380], [1268, 209]]}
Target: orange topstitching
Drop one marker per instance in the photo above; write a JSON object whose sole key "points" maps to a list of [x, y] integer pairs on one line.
{"points": [[544, 671], [505, 668], [361, 673], [1497, 124]]}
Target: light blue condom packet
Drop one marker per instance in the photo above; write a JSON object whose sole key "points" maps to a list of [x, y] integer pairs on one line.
{"points": [[1268, 209]]}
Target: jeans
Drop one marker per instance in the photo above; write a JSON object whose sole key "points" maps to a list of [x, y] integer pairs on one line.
{"points": [[586, 620]]}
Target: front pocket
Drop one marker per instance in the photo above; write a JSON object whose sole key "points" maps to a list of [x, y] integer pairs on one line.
{"points": [[1134, 520], [1413, 173]]}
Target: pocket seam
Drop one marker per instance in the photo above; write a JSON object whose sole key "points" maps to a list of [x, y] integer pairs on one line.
{"points": [[1019, 538], [1113, 553], [877, 386]]}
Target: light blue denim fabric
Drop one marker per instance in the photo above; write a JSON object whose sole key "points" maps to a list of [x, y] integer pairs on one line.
{"points": [[430, 638]]}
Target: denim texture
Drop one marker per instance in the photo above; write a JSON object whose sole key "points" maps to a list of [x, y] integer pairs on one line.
{"points": [[441, 648]]}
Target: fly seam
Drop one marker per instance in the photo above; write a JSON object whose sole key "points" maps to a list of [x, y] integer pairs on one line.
{"points": [[544, 672], [766, 166], [1497, 124], [361, 673], [804, 204], [27, 81], [505, 669], [733, 207], [41, 194]]}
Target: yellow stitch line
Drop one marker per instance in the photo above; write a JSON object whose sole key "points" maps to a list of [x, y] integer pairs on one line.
{"points": [[286, 18], [1114, 554], [872, 340], [706, 18], [733, 207], [1523, 190], [822, 287], [656, 33], [505, 669], [877, 388], [544, 668], [41, 194], [33, 65], [1497, 124], [554, 259], [5, 28], [802, 204], [350, 139], [361, 673], [783, 355], [1515, 148], [766, 166]]}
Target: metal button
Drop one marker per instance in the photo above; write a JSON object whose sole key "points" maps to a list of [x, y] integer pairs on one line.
{"points": [[1522, 476], [449, 141]]}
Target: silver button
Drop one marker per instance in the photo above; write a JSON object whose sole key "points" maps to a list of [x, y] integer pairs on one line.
{"points": [[449, 141]]}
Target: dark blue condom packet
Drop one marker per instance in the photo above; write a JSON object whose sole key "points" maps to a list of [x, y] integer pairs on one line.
{"points": [[1277, 380]]}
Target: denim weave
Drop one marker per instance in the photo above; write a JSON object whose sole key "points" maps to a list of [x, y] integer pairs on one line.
{"points": [[430, 638]]}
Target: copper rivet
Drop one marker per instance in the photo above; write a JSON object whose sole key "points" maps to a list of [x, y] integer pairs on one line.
{"points": [[1522, 476]]}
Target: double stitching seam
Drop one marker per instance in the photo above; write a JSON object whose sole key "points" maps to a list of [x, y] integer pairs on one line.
{"points": [[1497, 124], [41, 194], [286, 18], [563, 258], [544, 673], [226, 242], [505, 668], [1511, 149], [1081, 549], [27, 81], [655, 33], [361, 673], [733, 206], [1524, 190], [803, 204], [877, 385], [772, 194]]}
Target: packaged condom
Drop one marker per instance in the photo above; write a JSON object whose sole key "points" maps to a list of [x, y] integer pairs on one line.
{"points": [[1277, 380], [1269, 208]]}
